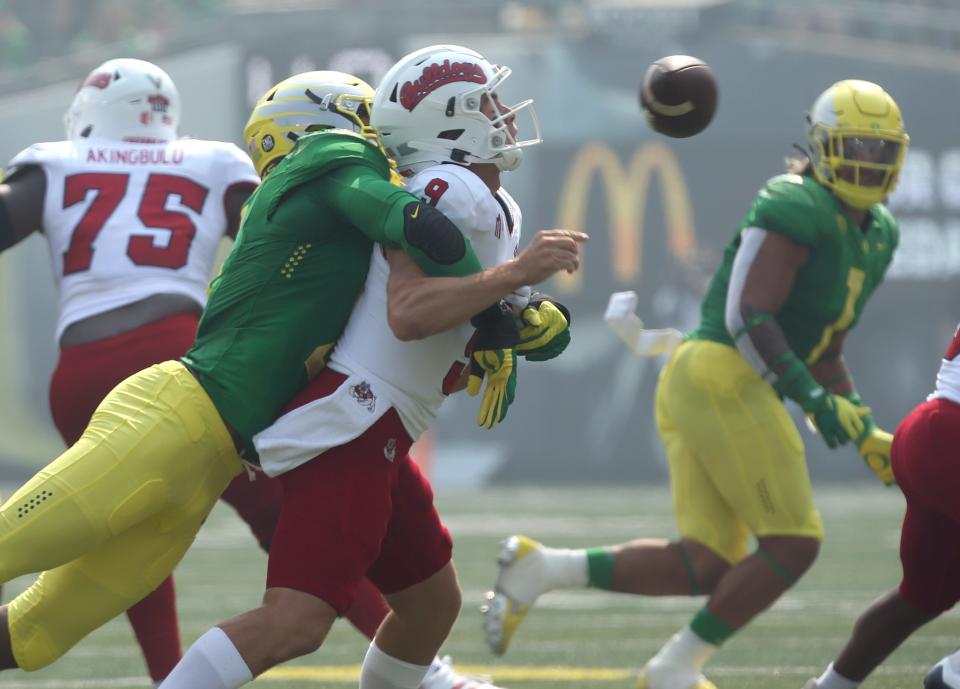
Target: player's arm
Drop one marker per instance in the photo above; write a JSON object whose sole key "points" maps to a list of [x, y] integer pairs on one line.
{"points": [[395, 218], [21, 205], [419, 306], [831, 371], [764, 272], [873, 443], [233, 200]]}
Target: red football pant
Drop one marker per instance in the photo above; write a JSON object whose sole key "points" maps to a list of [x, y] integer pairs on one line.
{"points": [[361, 509], [926, 462]]}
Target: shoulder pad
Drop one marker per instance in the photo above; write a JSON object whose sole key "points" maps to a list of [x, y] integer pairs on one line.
{"points": [[314, 155], [40, 154], [456, 192], [793, 205]]}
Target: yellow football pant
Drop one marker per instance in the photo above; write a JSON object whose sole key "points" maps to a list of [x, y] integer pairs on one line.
{"points": [[737, 463], [111, 517]]}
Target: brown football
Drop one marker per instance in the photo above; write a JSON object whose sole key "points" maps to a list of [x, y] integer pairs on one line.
{"points": [[679, 95]]}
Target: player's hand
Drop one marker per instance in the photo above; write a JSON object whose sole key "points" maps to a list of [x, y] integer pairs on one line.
{"points": [[499, 367], [550, 252], [545, 329], [874, 446], [493, 358], [836, 418]]}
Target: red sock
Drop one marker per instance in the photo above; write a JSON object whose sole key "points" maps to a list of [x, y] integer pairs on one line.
{"points": [[154, 621], [368, 609]]}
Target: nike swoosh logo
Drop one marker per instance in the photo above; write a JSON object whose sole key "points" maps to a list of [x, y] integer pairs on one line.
{"points": [[413, 216]]}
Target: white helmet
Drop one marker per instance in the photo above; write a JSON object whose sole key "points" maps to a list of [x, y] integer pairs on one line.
{"points": [[428, 110], [126, 100]]}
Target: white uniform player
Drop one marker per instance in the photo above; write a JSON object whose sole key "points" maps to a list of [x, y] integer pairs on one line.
{"points": [[132, 215], [125, 221], [354, 503], [412, 377]]}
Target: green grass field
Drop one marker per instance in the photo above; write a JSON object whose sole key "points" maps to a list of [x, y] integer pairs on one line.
{"points": [[583, 639]]}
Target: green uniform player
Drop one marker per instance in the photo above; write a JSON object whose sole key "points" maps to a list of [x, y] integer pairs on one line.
{"points": [[110, 518], [794, 279], [819, 306], [298, 265]]}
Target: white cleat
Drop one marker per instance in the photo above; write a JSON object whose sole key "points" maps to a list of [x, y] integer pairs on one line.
{"points": [[519, 583], [811, 683], [945, 674], [657, 675], [445, 677]]}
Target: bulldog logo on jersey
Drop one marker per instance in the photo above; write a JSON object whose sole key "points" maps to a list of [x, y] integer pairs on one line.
{"points": [[436, 75], [364, 396]]}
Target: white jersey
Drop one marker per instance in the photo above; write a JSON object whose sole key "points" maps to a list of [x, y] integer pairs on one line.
{"points": [[125, 221], [382, 371], [948, 377]]}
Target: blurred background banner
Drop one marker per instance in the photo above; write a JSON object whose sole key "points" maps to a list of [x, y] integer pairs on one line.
{"points": [[659, 211]]}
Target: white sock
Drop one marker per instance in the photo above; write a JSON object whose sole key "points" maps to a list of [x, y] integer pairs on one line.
{"points": [[831, 679], [686, 649], [565, 568], [213, 662], [381, 671]]}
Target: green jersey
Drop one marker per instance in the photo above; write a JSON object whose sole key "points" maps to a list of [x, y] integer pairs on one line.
{"points": [[845, 266], [299, 262]]}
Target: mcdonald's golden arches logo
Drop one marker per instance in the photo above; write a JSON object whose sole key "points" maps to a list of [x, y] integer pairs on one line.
{"points": [[627, 189]]}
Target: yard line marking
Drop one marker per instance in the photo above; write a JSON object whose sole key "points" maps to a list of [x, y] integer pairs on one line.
{"points": [[123, 682], [554, 673]]}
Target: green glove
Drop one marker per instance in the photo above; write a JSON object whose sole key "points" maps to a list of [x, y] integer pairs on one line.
{"points": [[836, 418], [545, 330], [499, 367]]}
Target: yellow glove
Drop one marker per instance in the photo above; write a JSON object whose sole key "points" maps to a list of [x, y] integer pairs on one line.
{"points": [[874, 447], [499, 367], [545, 330]]}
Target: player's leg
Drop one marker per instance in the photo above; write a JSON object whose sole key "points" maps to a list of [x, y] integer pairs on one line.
{"points": [[416, 575], [85, 374], [689, 566], [747, 443], [128, 467], [336, 510], [923, 455], [67, 603]]}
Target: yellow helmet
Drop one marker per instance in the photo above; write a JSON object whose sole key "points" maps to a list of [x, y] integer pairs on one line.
{"points": [[304, 103], [857, 142]]}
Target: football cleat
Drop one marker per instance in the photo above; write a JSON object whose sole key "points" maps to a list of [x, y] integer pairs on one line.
{"points": [[945, 674], [443, 676], [811, 683], [657, 675], [521, 564]]}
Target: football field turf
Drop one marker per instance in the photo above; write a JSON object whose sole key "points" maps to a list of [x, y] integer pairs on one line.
{"points": [[582, 639]]}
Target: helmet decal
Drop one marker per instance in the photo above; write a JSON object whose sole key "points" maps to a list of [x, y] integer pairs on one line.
{"points": [[98, 80], [442, 104], [436, 75]]}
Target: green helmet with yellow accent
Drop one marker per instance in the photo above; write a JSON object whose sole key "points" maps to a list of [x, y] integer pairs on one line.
{"points": [[304, 103], [857, 142]]}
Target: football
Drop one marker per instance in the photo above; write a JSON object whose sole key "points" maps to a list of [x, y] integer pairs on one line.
{"points": [[679, 95]]}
